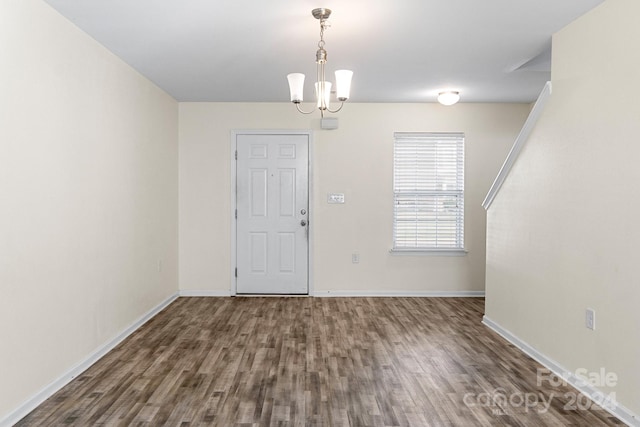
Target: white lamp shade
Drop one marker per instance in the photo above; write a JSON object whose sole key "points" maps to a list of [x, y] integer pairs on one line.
{"points": [[343, 84], [326, 95], [296, 86], [448, 98]]}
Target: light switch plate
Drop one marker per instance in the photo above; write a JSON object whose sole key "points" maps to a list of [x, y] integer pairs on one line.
{"points": [[335, 198]]}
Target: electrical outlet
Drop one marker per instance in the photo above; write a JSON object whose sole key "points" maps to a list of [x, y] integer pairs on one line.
{"points": [[590, 319], [355, 258]]}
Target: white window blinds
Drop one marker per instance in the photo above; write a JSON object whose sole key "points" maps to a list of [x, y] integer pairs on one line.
{"points": [[428, 188]]}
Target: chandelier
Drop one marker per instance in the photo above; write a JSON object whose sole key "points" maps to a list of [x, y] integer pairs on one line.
{"points": [[322, 87]]}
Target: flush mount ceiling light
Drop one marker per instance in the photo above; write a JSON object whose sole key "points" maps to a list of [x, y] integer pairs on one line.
{"points": [[449, 97], [323, 87]]}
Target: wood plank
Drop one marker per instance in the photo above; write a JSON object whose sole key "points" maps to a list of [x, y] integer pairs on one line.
{"points": [[313, 362]]}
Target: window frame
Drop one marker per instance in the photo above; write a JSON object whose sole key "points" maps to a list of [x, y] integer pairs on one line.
{"points": [[430, 197]]}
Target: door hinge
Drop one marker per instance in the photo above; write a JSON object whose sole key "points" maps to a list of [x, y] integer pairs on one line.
{"points": [[236, 271], [236, 213], [236, 154]]}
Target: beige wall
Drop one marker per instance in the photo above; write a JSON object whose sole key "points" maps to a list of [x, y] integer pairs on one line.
{"points": [[563, 232], [355, 160], [88, 195]]}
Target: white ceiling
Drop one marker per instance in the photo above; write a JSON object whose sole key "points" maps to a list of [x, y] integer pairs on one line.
{"points": [[399, 50]]}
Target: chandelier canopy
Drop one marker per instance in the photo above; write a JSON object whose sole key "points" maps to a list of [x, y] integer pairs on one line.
{"points": [[322, 87]]}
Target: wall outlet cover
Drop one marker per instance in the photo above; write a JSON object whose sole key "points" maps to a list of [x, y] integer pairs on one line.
{"points": [[590, 319]]}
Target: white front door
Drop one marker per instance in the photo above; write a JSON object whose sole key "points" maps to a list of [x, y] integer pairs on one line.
{"points": [[272, 202]]}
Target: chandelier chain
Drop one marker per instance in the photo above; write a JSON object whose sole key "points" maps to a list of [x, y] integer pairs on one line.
{"points": [[323, 25]]}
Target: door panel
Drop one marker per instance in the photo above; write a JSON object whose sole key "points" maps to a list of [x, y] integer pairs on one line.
{"points": [[258, 189], [272, 201], [287, 178]]}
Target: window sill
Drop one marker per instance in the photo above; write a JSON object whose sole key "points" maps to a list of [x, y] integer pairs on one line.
{"points": [[429, 252]]}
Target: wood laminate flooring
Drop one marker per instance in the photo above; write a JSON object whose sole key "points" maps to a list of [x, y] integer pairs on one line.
{"points": [[316, 362]]}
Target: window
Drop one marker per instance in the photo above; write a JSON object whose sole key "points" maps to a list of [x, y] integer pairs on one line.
{"points": [[428, 191]]}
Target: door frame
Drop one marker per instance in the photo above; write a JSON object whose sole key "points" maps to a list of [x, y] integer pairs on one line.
{"points": [[234, 187]]}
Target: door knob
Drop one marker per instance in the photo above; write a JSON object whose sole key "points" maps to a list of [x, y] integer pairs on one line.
{"points": [[303, 223]]}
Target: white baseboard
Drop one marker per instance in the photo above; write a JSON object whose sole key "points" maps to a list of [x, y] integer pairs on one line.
{"points": [[33, 402], [427, 294], [588, 390], [195, 293], [424, 294]]}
